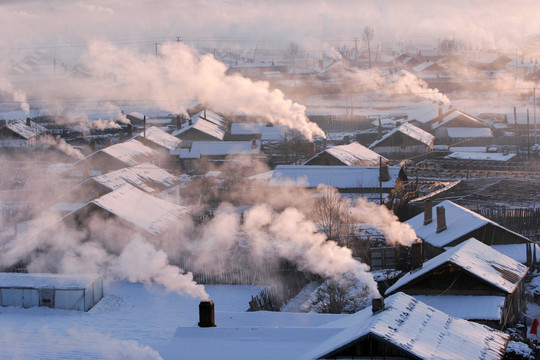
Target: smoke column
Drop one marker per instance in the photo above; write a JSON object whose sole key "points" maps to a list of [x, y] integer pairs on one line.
{"points": [[179, 76], [385, 221]]}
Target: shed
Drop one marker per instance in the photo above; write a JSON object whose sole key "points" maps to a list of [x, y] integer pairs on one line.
{"points": [[57, 291]]}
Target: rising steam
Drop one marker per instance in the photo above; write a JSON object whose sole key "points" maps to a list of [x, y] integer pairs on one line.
{"points": [[385, 221], [179, 76]]}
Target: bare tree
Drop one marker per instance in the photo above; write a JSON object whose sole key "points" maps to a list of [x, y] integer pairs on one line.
{"points": [[447, 47], [332, 213], [292, 50], [367, 37]]}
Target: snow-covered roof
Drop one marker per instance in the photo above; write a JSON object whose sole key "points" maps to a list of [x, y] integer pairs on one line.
{"points": [[410, 130], [129, 152], [483, 156], [211, 124], [418, 329], [246, 128], [161, 138], [22, 129], [341, 177], [468, 132], [467, 307], [454, 113], [422, 66], [147, 212], [459, 222], [219, 148], [518, 252], [353, 154], [41, 281], [477, 259], [146, 177], [275, 132]]}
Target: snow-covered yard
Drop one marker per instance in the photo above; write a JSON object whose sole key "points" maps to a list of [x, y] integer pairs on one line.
{"points": [[132, 321]]}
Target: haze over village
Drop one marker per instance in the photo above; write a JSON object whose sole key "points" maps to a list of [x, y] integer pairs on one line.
{"points": [[270, 180]]}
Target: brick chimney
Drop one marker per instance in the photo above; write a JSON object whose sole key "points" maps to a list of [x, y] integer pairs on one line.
{"points": [[441, 219], [377, 305], [28, 122], [206, 314], [428, 212], [440, 114], [417, 256]]}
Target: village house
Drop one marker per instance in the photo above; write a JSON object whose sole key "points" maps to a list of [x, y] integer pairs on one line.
{"points": [[114, 157], [244, 131], [454, 224], [353, 154], [403, 142], [457, 126], [20, 133], [146, 177], [133, 212], [203, 126], [162, 142], [354, 181], [472, 281], [205, 155]]}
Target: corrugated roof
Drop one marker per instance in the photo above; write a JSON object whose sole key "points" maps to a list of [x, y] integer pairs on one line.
{"points": [[411, 131], [146, 212], [468, 132], [353, 154], [20, 128], [476, 258], [467, 307], [147, 177], [419, 330], [130, 152], [211, 124], [161, 138], [454, 113], [40, 281]]}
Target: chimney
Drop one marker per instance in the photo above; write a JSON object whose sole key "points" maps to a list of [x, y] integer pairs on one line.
{"points": [[428, 212], [130, 131], [439, 117], [441, 219], [324, 144], [377, 305], [190, 122], [417, 256], [144, 126], [28, 122], [204, 114], [206, 314], [253, 144]]}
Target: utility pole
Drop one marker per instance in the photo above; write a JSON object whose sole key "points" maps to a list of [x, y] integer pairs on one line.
{"points": [[516, 130], [528, 144], [178, 39], [534, 115], [156, 44], [355, 47]]}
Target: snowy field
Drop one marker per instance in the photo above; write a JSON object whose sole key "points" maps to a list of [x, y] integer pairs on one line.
{"points": [[132, 321]]}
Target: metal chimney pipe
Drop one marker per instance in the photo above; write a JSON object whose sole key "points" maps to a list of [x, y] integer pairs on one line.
{"points": [[206, 314]]}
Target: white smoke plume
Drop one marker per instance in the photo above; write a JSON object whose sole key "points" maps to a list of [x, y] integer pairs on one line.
{"points": [[104, 124], [400, 83], [17, 95], [140, 261], [60, 144], [179, 76], [385, 221]]}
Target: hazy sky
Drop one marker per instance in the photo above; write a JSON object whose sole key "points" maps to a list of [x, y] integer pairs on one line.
{"points": [[66, 25]]}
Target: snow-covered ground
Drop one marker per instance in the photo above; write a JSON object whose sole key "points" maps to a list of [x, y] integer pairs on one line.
{"points": [[130, 322]]}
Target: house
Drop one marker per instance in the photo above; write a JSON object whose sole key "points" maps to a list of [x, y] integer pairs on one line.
{"points": [[353, 180], [146, 177], [160, 141], [203, 126], [114, 157], [472, 281], [454, 224], [401, 327], [353, 154], [20, 133], [404, 141], [57, 291], [133, 212], [217, 152], [457, 125]]}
